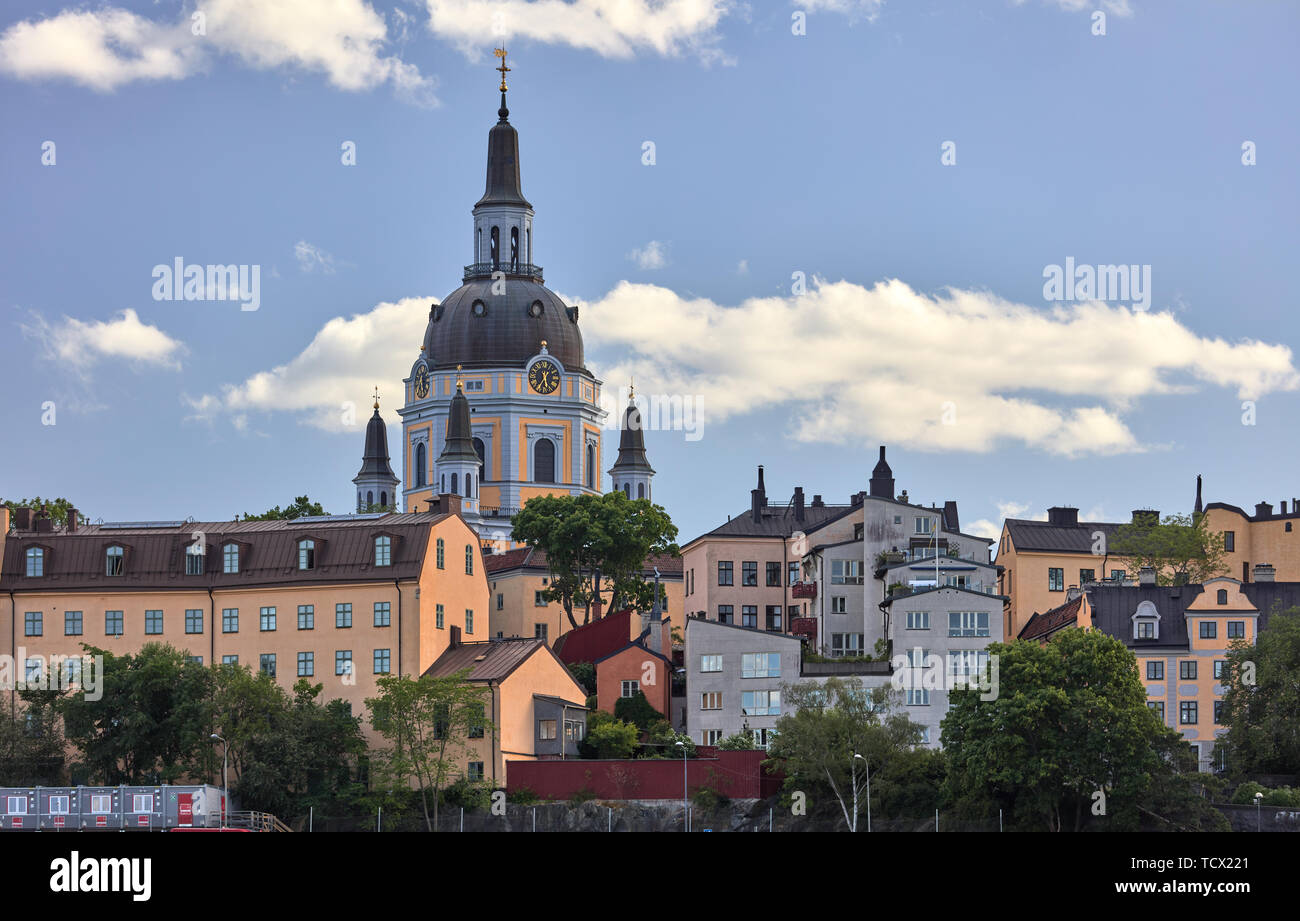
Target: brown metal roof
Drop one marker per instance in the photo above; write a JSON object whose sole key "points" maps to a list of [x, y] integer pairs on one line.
{"points": [[155, 556], [487, 661]]}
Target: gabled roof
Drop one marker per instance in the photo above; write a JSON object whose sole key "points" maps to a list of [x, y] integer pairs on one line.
{"points": [[491, 660], [596, 639], [1043, 536], [1041, 626], [776, 521]]}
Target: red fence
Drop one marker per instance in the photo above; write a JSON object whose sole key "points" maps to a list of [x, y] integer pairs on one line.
{"points": [[738, 775]]}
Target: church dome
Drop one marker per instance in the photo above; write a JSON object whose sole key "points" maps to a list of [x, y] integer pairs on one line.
{"points": [[477, 329]]}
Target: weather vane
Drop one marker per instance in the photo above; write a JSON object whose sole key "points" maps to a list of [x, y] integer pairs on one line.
{"points": [[376, 396], [501, 53]]}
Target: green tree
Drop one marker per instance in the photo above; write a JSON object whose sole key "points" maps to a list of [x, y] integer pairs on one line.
{"points": [[585, 674], [638, 711], [594, 540], [1069, 740], [31, 741], [1262, 699], [428, 722], [1181, 548], [662, 741], [58, 508], [832, 723], [608, 737], [301, 507], [742, 741]]}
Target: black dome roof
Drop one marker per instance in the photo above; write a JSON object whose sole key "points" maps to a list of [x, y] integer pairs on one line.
{"points": [[475, 328]]}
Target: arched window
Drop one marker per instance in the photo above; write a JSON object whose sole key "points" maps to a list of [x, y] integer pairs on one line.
{"points": [[544, 461], [453, 482], [469, 559], [640, 490], [306, 554], [113, 561], [481, 450], [1223, 596], [478, 245], [383, 551], [421, 464], [469, 486], [591, 466], [442, 554], [370, 498], [514, 248], [383, 499], [627, 490], [495, 245], [35, 561]]}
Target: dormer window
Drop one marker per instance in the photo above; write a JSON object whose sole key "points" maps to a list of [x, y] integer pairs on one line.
{"points": [[230, 558], [113, 557], [35, 562], [1223, 596], [306, 554], [383, 551], [194, 559], [1146, 622]]}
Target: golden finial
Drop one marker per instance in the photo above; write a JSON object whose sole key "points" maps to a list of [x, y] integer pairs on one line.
{"points": [[501, 53], [631, 389], [376, 397], [459, 384]]}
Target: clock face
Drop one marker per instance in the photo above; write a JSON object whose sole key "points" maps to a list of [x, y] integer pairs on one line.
{"points": [[544, 377], [422, 383]]}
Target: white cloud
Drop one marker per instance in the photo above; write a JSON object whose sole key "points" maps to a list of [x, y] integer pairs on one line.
{"points": [[312, 257], [854, 9], [993, 529], [341, 365], [1114, 7], [78, 343], [742, 267], [611, 28], [964, 370], [107, 48], [654, 255]]}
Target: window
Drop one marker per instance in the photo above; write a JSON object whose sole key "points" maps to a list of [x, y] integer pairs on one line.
{"points": [[113, 561], [421, 464], [475, 771], [1223, 596], [544, 461], [1218, 704], [306, 664], [442, 556], [774, 617], [194, 560], [469, 559], [306, 554], [383, 551], [846, 644], [112, 623], [792, 573], [918, 620], [918, 697], [749, 615], [1158, 708], [439, 617], [546, 728], [153, 622], [1055, 580], [711, 736], [711, 700], [965, 666], [1144, 629], [230, 620], [383, 661], [1155, 671], [838, 604], [1187, 670], [101, 803], [343, 662], [266, 664], [306, 617], [60, 805], [924, 525], [1236, 629], [539, 631], [1229, 541], [760, 665], [575, 731], [749, 573], [230, 660], [230, 558], [35, 668], [725, 614], [629, 688], [539, 599], [1087, 575], [343, 616], [193, 620], [1220, 666], [846, 572], [774, 574], [724, 572], [760, 703], [34, 623], [591, 467], [1187, 712], [1209, 630], [267, 622], [35, 562], [710, 663], [968, 623]]}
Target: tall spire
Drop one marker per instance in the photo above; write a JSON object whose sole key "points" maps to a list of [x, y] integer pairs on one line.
{"points": [[375, 481], [1198, 509], [503, 185], [882, 478], [460, 436], [632, 470]]}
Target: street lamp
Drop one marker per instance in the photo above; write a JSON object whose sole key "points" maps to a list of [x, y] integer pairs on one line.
{"points": [[855, 792], [225, 784], [1259, 798], [686, 810]]}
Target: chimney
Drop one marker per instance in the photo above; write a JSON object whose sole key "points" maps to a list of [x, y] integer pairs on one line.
{"points": [[44, 523], [950, 522], [1263, 510], [1281, 508], [72, 521], [23, 519], [1063, 516], [798, 503], [758, 497], [1146, 576], [817, 501], [454, 637], [1146, 516], [446, 504], [1264, 572]]}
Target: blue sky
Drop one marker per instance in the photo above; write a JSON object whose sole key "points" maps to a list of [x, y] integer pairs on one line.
{"points": [[775, 153]]}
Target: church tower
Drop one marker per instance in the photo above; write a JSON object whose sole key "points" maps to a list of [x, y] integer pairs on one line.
{"points": [[632, 472], [502, 359], [376, 483]]}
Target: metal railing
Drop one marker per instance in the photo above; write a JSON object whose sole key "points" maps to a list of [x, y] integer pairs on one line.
{"points": [[255, 821], [526, 269]]}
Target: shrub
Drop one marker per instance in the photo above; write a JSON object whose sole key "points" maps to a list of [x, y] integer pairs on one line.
{"points": [[522, 796], [468, 794]]}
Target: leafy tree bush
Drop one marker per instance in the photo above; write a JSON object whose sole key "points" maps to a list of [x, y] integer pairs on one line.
{"points": [[638, 711], [585, 674]]}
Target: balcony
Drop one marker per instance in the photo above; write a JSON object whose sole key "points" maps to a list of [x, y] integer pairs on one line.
{"points": [[487, 269], [804, 590]]}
